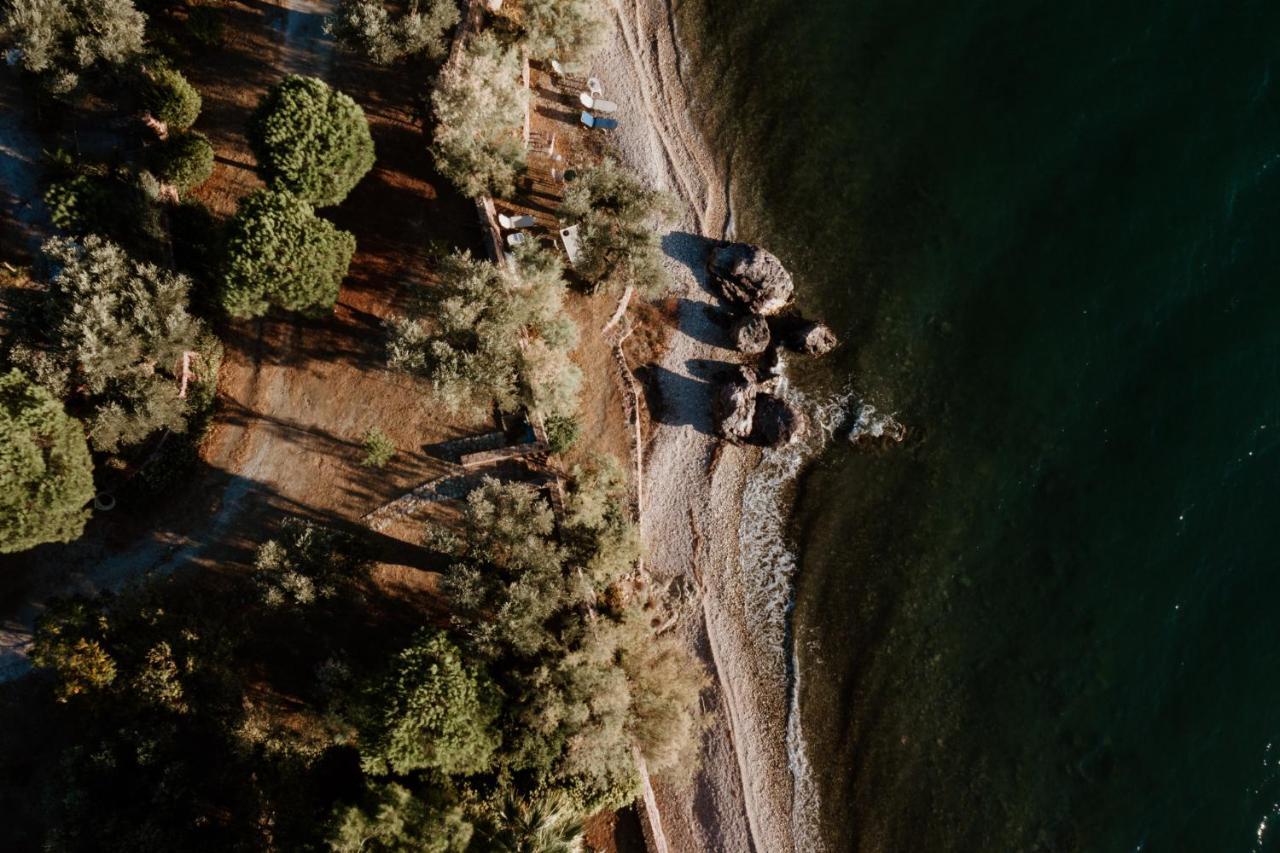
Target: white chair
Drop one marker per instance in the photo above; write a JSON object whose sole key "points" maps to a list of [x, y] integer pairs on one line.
{"points": [[594, 86], [516, 239], [597, 104], [512, 222], [602, 123]]}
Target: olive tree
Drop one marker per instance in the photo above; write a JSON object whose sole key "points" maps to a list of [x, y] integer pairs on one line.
{"points": [[564, 29], [60, 40], [479, 107], [46, 475], [278, 252], [312, 140], [115, 334], [465, 336], [367, 27], [619, 221]]}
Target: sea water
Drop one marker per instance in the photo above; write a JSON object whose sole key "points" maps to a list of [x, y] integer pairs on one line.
{"points": [[1049, 236]]}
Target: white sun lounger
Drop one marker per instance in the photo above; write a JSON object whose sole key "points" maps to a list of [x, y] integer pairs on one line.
{"points": [[512, 222], [594, 87], [603, 123], [569, 236], [516, 239], [598, 104]]}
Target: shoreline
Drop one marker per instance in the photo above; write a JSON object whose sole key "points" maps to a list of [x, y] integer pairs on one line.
{"points": [[742, 796]]}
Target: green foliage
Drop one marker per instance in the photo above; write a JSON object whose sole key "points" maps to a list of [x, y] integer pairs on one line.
{"points": [[551, 29], [184, 160], [78, 203], [60, 40], [367, 27], [303, 564], [378, 449], [116, 333], [311, 140], [46, 475], [68, 640], [562, 432], [206, 22], [465, 335], [618, 219], [393, 820], [279, 252], [546, 825], [121, 206], [479, 105], [171, 99], [433, 712]]}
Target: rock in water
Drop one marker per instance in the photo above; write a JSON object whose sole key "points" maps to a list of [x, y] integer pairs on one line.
{"points": [[777, 422], [750, 334], [870, 426], [734, 408], [812, 338], [751, 276]]}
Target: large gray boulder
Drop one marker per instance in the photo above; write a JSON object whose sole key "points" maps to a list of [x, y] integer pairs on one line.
{"points": [[734, 406], [750, 334], [777, 422], [750, 276]]}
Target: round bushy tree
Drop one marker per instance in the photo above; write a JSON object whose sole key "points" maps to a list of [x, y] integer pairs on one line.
{"points": [[171, 100], [60, 40], [311, 140], [184, 160], [46, 475], [280, 253], [366, 26]]}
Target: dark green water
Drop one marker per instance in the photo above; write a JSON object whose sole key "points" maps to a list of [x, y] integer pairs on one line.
{"points": [[1050, 233]]}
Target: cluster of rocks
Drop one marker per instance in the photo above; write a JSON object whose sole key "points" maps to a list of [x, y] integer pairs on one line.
{"points": [[747, 408]]}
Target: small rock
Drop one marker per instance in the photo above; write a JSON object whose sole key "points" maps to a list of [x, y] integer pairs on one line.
{"points": [[734, 407], [777, 422], [869, 426], [750, 334], [751, 276], [812, 338]]}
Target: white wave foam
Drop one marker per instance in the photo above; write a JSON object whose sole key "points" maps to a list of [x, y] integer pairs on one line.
{"points": [[769, 566]]}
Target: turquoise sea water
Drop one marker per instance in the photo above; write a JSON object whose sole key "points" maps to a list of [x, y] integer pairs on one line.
{"points": [[1050, 234]]}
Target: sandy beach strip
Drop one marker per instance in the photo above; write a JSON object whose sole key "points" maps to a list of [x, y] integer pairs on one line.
{"points": [[741, 798]]}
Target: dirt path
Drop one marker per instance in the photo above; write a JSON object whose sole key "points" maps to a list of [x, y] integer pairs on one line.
{"points": [[295, 396]]}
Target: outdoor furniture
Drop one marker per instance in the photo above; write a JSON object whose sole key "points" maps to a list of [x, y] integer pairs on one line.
{"points": [[516, 239], [563, 69], [597, 104], [594, 87], [513, 222], [602, 123], [569, 237]]}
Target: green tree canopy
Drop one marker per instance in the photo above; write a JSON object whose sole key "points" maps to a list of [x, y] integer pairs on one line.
{"points": [[479, 106], [113, 344], [619, 220], [46, 475], [311, 140], [170, 99], [465, 334], [367, 27], [61, 40], [185, 160], [559, 29], [394, 820], [279, 252], [433, 712]]}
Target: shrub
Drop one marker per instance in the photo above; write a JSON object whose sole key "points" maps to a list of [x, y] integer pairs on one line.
{"points": [[378, 449], [479, 108], [46, 475], [465, 335], [393, 820], [311, 140], [122, 206], [78, 204], [433, 712], [562, 432], [62, 39], [119, 328], [618, 217], [559, 28], [367, 27], [206, 22], [303, 564], [184, 160], [171, 99], [280, 253]]}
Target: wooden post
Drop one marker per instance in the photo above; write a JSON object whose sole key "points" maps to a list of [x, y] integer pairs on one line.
{"points": [[528, 102]]}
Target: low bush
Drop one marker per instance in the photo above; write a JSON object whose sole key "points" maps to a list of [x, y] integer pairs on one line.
{"points": [[184, 160], [171, 99]]}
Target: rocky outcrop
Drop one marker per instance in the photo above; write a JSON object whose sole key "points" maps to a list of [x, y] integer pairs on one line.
{"points": [[777, 423], [811, 338], [734, 407], [750, 334], [750, 276]]}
